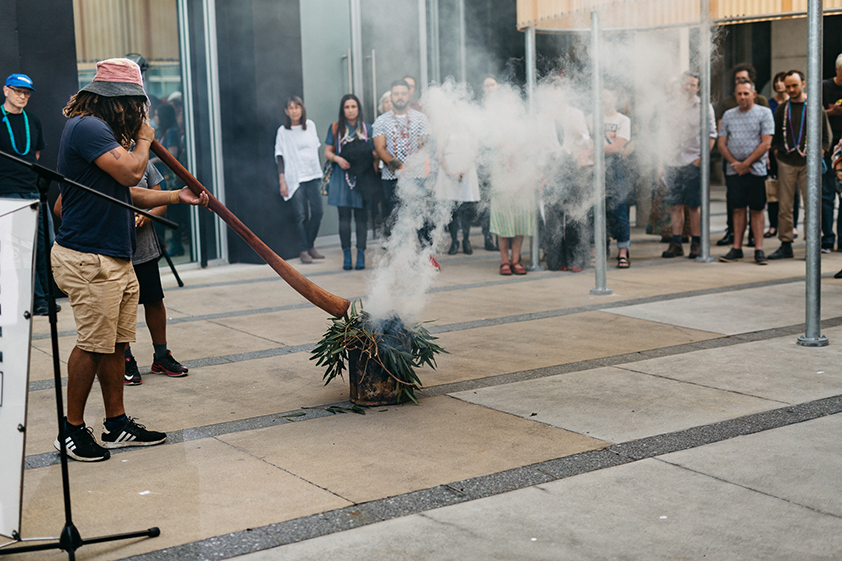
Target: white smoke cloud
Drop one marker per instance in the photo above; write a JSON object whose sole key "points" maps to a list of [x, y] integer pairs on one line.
{"points": [[524, 150]]}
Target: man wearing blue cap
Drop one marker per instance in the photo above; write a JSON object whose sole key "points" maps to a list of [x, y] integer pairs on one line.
{"points": [[20, 135]]}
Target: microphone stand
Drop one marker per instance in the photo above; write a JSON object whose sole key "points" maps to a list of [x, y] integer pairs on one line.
{"points": [[168, 259], [70, 540]]}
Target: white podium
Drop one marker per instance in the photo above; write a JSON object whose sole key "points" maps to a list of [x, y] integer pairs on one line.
{"points": [[18, 238]]}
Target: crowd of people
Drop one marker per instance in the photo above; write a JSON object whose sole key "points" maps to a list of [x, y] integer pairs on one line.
{"points": [[761, 142], [365, 164], [763, 147]]}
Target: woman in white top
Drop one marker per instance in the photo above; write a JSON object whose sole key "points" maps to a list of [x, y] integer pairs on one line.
{"points": [[297, 155], [457, 181]]}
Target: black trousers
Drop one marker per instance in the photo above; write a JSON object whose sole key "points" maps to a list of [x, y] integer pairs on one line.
{"points": [[463, 215], [360, 221]]}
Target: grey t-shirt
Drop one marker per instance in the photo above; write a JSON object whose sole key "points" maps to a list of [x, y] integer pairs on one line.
{"points": [[147, 247], [744, 130]]}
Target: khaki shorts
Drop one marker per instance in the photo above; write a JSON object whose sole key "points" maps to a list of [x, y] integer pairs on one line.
{"points": [[103, 293]]}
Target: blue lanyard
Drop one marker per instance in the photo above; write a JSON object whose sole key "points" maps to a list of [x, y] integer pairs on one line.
{"points": [[12, 136]]}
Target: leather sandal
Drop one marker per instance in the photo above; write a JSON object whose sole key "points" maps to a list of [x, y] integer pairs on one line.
{"points": [[505, 269], [623, 261], [518, 269]]}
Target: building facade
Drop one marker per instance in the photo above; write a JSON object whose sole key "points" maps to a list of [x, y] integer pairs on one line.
{"points": [[234, 63]]}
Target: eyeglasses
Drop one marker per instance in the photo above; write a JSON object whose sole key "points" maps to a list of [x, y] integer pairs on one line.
{"points": [[24, 93]]}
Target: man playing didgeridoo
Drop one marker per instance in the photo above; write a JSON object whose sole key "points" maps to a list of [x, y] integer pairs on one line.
{"points": [[92, 255]]}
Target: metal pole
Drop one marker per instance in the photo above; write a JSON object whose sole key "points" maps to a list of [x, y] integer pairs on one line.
{"points": [[435, 48], [813, 336], [374, 93], [704, 130], [422, 45], [535, 244], [530, 64], [463, 63], [598, 162], [347, 58], [357, 49]]}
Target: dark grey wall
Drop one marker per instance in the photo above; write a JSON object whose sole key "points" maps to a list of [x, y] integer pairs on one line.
{"points": [[259, 44], [36, 38]]}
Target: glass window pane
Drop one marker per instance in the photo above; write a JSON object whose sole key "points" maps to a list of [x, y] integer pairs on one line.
{"points": [[147, 32]]}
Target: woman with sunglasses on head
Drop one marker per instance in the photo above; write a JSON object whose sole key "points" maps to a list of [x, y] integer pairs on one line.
{"points": [[350, 149]]}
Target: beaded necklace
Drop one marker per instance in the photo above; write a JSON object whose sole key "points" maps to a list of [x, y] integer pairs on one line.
{"points": [[788, 119], [12, 136], [402, 133]]}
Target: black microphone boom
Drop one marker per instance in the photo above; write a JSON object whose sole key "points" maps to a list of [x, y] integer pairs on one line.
{"points": [[51, 175]]}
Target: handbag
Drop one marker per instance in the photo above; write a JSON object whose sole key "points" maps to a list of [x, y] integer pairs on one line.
{"points": [[771, 190], [327, 169], [327, 173]]}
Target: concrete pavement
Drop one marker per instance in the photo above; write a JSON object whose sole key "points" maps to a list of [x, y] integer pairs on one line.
{"points": [[675, 419]]}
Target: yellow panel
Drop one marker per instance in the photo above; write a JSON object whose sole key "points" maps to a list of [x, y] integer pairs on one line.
{"points": [[107, 28], [575, 14]]}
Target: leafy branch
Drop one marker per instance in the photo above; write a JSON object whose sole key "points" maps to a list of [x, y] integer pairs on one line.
{"points": [[393, 346]]}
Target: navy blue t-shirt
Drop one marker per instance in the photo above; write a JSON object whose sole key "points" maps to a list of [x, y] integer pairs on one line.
{"points": [[88, 223]]}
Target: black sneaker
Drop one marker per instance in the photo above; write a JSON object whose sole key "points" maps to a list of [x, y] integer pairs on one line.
{"points": [[131, 376], [731, 256], [169, 366], [82, 446], [131, 434], [760, 257], [783, 252]]}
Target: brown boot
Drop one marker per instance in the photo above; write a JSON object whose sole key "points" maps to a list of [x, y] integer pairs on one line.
{"points": [[315, 254], [305, 257], [675, 250], [695, 250]]}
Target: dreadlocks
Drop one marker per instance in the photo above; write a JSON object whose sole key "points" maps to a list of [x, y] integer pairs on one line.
{"points": [[123, 114]]}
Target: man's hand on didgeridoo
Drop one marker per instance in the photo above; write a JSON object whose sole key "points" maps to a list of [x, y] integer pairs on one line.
{"points": [[186, 196]]}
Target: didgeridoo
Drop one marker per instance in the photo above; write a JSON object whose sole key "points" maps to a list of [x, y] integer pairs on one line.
{"points": [[332, 304]]}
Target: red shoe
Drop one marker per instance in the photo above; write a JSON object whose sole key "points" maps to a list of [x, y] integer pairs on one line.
{"points": [[435, 263], [169, 366], [518, 269]]}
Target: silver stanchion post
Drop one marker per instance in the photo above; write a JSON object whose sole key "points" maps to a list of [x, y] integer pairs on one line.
{"points": [[598, 163], [535, 244], [812, 336], [704, 134]]}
